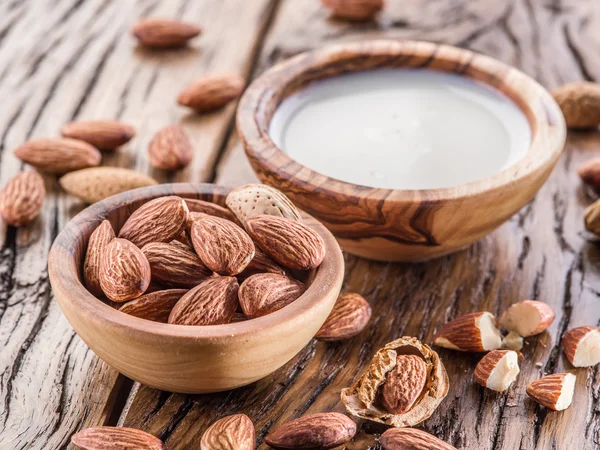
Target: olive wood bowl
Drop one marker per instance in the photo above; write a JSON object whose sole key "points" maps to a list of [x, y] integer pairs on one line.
{"points": [[390, 224], [178, 358]]}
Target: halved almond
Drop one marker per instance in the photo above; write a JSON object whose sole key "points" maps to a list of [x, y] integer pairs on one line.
{"points": [[497, 370], [474, 332], [553, 391], [582, 346], [528, 317]]}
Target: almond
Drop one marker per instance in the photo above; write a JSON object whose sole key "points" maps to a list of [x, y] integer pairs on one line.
{"points": [[212, 209], [170, 148], [264, 293], [221, 245], [229, 433], [22, 198], [159, 220], [99, 239], [527, 317], [512, 341], [592, 218], [58, 155], [580, 103], [349, 317], [582, 346], [474, 332], [102, 134], [155, 306], [322, 430], [355, 10], [174, 265], [290, 243], [259, 199], [553, 391], [262, 263], [589, 172], [411, 439], [404, 384], [114, 438], [212, 302], [124, 271], [497, 370], [212, 92], [164, 33], [97, 183]]}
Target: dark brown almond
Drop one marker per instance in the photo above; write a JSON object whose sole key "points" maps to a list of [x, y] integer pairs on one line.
{"points": [[264, 293], [315, 431], [212, 302], [103, 134], [99, 239], [349, 316], [170, 148], [411, 439], [212, 209], [404, 384], [221, 245], [229, 433], [175, 265], [155, 306], [212, 92], [22, 198], [116, 438], [159, 220], [58, 155], [292, 244], [164, 33], [124, 271]]}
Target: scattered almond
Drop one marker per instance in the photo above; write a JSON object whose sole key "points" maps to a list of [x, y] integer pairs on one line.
{"points": [[474, 332], [527, 317], [22, 198], [553, 391], [265, 293], [58, 155], [259, 199], [155, 306], [589, 172], [99, 239], [315, 431], [411, 439], [512, 341], [115, 438], [97, 183], [170, 148], [582, 346], [354, 10], [175, 265], [229, 433], [102, 134], [592, 218], [164, 33], [211, 92], [349, 317], [580, 103], [404, 384], [497, 370]]}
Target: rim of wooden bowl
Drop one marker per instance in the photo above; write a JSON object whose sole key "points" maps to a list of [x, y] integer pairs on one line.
{"points": [[68, 250], [263, 96]]}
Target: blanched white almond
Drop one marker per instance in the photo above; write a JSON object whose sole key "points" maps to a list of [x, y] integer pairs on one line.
{"points": [[497, 370], [528, 317], [582, 346]]}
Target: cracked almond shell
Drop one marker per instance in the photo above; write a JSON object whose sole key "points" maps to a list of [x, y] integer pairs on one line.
{"points": [[363, 398]]}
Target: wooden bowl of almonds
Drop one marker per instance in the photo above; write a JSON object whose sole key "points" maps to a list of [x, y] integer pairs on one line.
{"points": [[192, 288]]}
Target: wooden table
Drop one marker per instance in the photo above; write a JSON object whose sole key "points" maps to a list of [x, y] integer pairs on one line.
{"points": [[73, 59]]}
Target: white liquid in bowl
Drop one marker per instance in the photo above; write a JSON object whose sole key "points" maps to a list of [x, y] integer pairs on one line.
{"points": [[401, 129]]}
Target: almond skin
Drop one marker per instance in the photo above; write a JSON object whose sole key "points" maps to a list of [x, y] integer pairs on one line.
{"points": [[159, 220], [229, 433], [404, 383], [99, 239], [411, 439], [124, 271], [322, 431], [290, 243], [212, 209], [164, 33], [221, 245], [97, 183], [258, 199], [58, 155], [264, 293], [212, 92], [580, 103], [553, 391], [102, 134], [175, 265], [155, 306], [113, 438], [474, 332], [170, 149], [589, 172], [349, 317], [22, 198], [212, 302], [354, 10]]}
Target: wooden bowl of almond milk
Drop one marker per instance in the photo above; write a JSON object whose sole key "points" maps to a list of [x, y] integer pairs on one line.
{"points": [[405, 150]]}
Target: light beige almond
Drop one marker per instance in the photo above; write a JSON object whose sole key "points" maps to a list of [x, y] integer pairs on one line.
{"points": [[527, 317], [265, 293], [553, 391], [212, 209], [292, 244], [411, 439], [474, 332], [212, 92], [589, 172], [115, 438], [102, 134], [404, 384], [497, 370], [164, 33], [315, 431], [592, 218], [582, 346], [229, 433], [222, 246], [512, 341], [99, 239], [258, 199], [22, 198], [58, 155], [160, 220], [354, 10], [124, 271], [97, 183], [175, 265], [155, 306], [212, 302], [349, 317], [170, 148], [580, 103]]}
